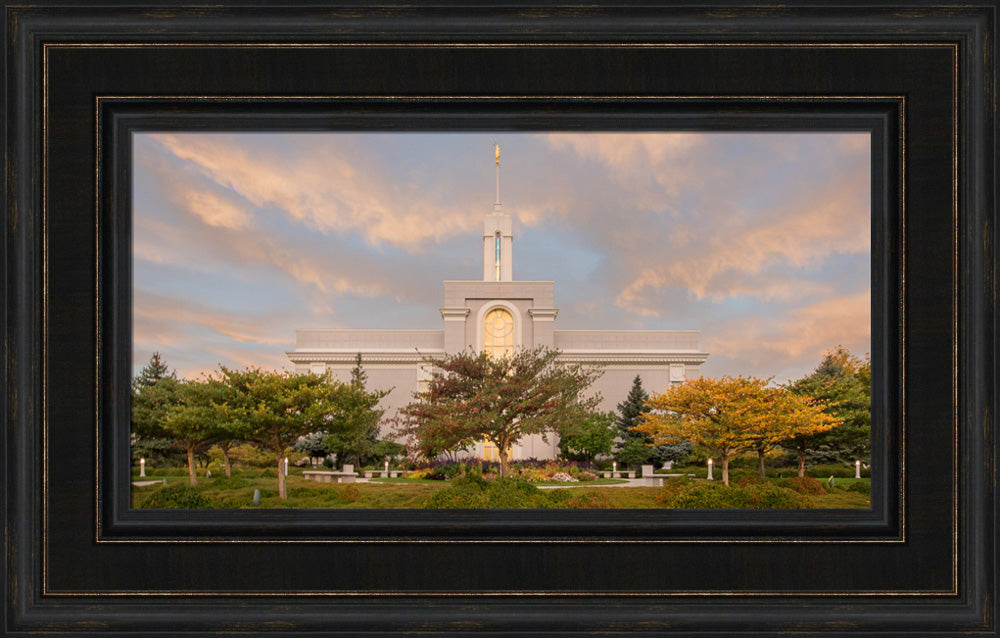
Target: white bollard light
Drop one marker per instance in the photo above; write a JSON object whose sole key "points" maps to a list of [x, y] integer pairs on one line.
{"points": [[857, 469], [711, 464], [286, 466], [387, 469], [142, 467], [614, 468]]}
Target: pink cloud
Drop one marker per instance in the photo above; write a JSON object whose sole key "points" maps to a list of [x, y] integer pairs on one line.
{"points": [[798, 337], [215, 211], [326, 189]]}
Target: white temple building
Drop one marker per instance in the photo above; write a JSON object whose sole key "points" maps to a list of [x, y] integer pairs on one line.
{"points": [[499, 314]]}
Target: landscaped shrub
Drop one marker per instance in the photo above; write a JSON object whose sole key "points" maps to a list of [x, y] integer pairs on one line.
{"points": [[862, 487], [802, 485], [686, 494], [770, 497], [230, 502], [229, 483], [587, 500], [175, 496], [447, 470], [750, 479], [349, 494], [472, 492]]}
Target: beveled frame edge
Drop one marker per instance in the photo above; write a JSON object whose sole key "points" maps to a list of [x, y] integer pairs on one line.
{"points": [[976, 611], [883, 523]]}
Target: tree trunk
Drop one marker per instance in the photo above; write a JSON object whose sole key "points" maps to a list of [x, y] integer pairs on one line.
{"points": [[802, 462], [504, 453], [191, 471], [725, 470], [760, 461], [225, 459], [282, 492]]}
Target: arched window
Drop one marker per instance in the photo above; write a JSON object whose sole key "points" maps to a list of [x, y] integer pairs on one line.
{"points": [[498, 333]]}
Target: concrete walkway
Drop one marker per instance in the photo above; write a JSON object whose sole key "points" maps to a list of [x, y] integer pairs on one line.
{"points": [[147, 483], [628, 483]]}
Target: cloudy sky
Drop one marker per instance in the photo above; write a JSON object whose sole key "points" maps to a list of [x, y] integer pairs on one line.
{"points": [[759, 240]]}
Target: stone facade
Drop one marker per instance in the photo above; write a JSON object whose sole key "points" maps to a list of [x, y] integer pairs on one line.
{"points": [[472, 312]]}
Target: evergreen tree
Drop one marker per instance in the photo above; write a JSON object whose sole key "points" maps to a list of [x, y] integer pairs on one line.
{"points": [[635, 446], [154, 391], [358, 375], [357, 440], [632, 408], [841, 384], [152, 372]]}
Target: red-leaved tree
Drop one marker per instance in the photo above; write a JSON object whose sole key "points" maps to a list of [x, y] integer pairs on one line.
{"points": [[472, 397]]}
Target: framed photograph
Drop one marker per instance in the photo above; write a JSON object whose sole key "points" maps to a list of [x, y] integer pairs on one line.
{"points": [[102, 100]]}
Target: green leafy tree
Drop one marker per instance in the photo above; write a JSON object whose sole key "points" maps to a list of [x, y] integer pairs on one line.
{"points": [[388, 449], [195, 421], [841, 386], [473, 397], [592, 435], [634, 446], [278, 407]]}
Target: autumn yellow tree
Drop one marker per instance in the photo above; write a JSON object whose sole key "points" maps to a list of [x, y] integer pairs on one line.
{"points": [[730, 415], [718, 414], [782, 416]]}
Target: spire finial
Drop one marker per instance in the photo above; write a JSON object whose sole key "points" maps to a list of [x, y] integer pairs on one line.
{"points": [[496, 153]]}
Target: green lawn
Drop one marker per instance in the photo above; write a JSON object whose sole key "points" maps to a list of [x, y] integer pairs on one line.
{"points": [[237, 493]]}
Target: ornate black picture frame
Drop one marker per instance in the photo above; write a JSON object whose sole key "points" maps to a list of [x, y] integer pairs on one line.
{"points": [[81, 79]]}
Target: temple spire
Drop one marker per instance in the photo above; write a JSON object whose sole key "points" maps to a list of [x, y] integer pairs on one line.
{"points": [[496, 153], [498, 237]]}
